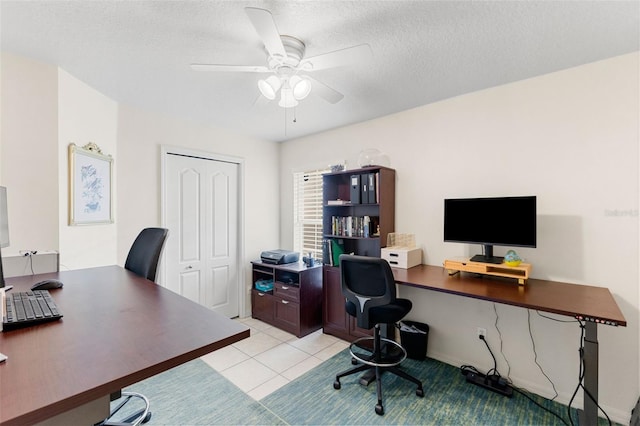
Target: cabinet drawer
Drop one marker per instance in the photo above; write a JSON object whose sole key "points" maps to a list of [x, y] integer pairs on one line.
{"points": [[262, 305], [287, 291], [287, 315]]}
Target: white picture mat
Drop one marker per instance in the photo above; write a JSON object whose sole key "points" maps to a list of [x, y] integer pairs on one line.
{"points": [[90, 187]]}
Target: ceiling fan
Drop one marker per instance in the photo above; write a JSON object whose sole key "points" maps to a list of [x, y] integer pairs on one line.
{"points": [[287, 64]]}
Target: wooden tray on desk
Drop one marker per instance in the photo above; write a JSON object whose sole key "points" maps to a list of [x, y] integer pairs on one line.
{"points": [[520, 272]]}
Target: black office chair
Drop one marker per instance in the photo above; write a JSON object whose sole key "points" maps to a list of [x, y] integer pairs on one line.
{"points": [[370, 292], [142, 260], [144, 254]]}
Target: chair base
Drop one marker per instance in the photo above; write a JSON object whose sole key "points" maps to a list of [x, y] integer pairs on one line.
{"points": [[375, 363], [136, 418]]}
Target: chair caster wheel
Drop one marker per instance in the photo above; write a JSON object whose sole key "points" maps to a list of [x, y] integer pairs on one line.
{"points": [[354, 361], [336, 384], [379, 409], [420, 392], [146, 418]]}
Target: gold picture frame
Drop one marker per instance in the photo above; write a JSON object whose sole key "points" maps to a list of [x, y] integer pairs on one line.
{"points": [[90, 185]]}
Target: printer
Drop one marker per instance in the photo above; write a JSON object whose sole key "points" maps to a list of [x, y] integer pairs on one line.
{"points": [[279, 256]]}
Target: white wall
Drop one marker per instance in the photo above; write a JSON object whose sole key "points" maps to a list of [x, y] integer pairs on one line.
{"points": [[84, 115], [140, 136], [44, 109], [571, 138], [28, 149]]}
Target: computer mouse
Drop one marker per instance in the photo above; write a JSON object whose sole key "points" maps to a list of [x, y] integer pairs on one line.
{"points": [[47, 285]]}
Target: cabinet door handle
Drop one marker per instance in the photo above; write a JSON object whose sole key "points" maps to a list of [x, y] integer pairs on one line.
{"points": [[285, 302], [260, 294], [189, 267], [284, 287]]}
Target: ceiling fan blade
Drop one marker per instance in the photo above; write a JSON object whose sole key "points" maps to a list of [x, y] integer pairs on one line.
{"points": [[337, 58], [229, 68], [260, 101], [264, 24], [327, 93]]}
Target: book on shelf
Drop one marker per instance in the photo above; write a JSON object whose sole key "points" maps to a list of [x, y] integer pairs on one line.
{"points": [[354, 226], [327, 258], [331, 251], [338, 202]]}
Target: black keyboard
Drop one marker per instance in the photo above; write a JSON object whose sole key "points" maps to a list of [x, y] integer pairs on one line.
{"points": [[26, 308]]}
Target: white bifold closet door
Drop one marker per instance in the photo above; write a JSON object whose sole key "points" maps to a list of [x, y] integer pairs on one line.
{"points": [[201, 212]]}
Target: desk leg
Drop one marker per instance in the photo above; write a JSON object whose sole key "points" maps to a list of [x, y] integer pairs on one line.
{"points": [[88, 414], [589, 415]]}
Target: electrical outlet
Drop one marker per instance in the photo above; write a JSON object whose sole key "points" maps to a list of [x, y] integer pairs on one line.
{"points": [[482, 332]]}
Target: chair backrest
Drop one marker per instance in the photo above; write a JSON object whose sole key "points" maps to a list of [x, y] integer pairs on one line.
{"points": [[145, 252], [366, 282]]}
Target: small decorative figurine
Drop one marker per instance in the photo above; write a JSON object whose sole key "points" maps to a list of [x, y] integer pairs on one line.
{"points": [[512, 258]]}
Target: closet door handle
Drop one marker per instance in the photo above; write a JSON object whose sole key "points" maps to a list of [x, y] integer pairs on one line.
{"points": [[285, 302], [284, 287]]}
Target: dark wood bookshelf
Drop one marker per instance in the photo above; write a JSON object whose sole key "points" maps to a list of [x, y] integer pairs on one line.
{"points": [[337, 186]]}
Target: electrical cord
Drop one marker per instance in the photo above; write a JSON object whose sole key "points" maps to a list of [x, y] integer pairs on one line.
{"points": [[29, 254], [495, 324], [535, 356], [466, 369], [523, 392], [581, 378], [580, 372], [555, 319], [495, 364]]}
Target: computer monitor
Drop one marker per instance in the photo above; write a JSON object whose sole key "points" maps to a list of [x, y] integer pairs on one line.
{"points": [[4, 228], [499, 221]]}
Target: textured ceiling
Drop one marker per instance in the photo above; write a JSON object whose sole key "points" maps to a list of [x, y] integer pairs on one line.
{"points": [[138, 52]]}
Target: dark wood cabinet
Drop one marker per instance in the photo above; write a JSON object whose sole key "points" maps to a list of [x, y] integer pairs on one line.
{"points": [[294, 304], [342, 223], [262, 305], [335, 319]]}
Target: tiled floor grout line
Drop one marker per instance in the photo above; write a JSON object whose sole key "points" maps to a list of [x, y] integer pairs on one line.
{"points": [[270, 379]]}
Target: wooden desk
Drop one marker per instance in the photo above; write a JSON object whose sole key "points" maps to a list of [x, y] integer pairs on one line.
{"points": [[594, 305], [117, 329]]}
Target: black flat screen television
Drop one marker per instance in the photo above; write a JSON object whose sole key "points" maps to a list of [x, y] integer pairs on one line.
{"points": [[498, 221]]}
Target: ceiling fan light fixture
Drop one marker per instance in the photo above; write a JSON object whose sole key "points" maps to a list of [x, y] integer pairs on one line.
{"points": [[301, 87], [269, 87], [287, 100]]}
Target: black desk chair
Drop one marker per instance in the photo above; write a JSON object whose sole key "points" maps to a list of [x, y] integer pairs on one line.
{"points": [[142, 260], [370, 292], [144, 253]]}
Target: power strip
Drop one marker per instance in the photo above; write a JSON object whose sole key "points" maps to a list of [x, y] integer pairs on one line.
{"points": [[493, 383]]}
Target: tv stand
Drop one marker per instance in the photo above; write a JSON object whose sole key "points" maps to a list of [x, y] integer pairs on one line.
{"points": [[520, 272]]}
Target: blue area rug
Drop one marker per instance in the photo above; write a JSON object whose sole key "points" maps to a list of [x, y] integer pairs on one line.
{"points": [[448, 400], [195, 394]]}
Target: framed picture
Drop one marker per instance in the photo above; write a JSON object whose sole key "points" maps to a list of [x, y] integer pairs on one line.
{"points": [[90, 185]]}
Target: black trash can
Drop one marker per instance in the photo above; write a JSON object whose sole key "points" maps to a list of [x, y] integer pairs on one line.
{"points": [[414, 337]]}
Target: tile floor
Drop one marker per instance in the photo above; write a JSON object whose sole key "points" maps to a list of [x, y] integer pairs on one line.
{"points": [[270, 358]]}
